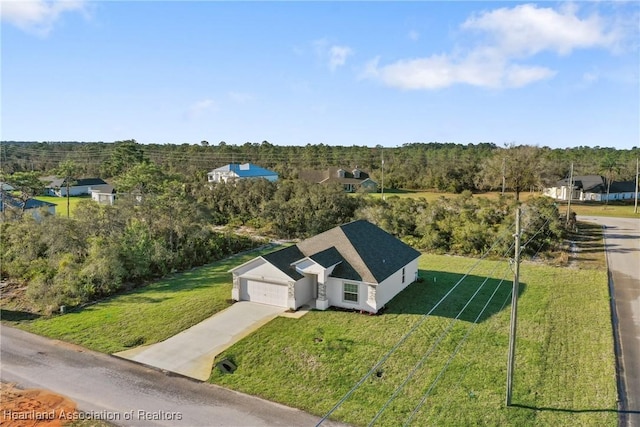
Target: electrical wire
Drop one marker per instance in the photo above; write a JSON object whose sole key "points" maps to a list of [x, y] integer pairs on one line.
{"points": [[406, 336], [455, 352], [433, 346]]}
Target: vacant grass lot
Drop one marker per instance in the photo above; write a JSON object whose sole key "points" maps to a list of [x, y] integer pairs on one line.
{"points": [[61, 202], [564, 373], [147, 315]]}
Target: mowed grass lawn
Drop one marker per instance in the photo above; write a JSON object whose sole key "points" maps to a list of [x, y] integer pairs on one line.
{"points": [[146, 315], [61, 203], [565, 373], [449, 371]]}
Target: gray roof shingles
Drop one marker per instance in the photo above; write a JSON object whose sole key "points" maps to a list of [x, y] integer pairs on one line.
{"points": [[364, 251]]}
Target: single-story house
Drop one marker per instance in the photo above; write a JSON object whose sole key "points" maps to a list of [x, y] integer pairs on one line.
{"points": [[351, 180], [103, 194], [591, 188], [355, 266], [58, 186], [32, 206], [235, 171]]}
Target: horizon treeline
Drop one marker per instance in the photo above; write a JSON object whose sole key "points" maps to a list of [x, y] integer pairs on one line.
{"points": [[436, 166]]}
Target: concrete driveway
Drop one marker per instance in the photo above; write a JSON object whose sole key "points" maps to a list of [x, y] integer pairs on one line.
{"points": [[192, 351]]}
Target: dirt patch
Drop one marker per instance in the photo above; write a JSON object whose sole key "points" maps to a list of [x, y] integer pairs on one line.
{"points": [[34, 408]]}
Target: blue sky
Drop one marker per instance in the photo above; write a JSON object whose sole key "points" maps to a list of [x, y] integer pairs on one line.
{"points": [[339, 73]]}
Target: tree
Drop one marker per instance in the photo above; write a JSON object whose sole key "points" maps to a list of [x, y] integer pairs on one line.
{"points": [[27, 183], [125, 155], [609, 166], [521, 166], [68, 170]]}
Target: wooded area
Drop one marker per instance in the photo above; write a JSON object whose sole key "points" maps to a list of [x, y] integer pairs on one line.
{"points": [[168, 218]]}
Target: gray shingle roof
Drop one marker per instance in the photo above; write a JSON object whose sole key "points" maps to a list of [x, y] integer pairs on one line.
{"points": [[364, 251]]}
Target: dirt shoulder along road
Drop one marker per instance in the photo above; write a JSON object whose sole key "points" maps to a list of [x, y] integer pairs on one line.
{"points": [[34, 408]]}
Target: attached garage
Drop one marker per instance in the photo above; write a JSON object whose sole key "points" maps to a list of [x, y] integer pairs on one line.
{"points": [[264, 292]]}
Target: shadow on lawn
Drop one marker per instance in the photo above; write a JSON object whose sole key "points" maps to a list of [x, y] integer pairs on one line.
{"points": [[575, 411], [17, 315], [421, 297]]}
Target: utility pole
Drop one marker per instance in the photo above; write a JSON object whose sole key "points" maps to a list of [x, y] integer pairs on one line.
{"points": [[382, 174], [570, 194], [635, 207], [504, 166], [514, 310]]}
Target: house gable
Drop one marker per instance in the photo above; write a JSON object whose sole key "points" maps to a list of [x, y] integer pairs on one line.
{"points": [[342, 267]]}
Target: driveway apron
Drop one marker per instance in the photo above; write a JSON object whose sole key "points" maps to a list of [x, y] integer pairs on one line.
{"points": [[191, 352]]}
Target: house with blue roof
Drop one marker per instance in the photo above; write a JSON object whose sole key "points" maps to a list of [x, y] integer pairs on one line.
{"points": [[234, 171]]}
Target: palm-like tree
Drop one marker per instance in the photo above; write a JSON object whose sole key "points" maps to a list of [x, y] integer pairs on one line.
{"points": [[609, 166]]}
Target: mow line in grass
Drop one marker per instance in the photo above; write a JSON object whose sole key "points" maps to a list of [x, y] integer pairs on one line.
{"points": [[437, 342], [404, 338], [457, 349], [468, 365]]}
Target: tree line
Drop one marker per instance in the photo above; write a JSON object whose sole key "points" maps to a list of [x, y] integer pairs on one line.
{"points": [[168, 218], [446, 167]]}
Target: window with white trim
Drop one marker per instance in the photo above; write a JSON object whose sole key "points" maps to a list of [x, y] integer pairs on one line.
{"points": [[350, 292]]}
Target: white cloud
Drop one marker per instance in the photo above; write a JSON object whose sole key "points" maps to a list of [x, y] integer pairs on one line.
{"points": [[38, 16], [527, 29], [508, 36], [338, 56], [334, 55], [413, 35], [197, 109]]}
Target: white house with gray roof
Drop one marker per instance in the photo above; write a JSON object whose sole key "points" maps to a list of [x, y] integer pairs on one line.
{"points": [[355, 266]]}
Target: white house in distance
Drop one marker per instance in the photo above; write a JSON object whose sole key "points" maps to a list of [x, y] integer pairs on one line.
{"points": [[103, 194], [591, 188], [58, 186], [235, 171], [355, 266]]}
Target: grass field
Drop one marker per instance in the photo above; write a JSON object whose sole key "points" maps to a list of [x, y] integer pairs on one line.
{"points": [[595, 209], [143, 316], [564, 355], [61, 203]]}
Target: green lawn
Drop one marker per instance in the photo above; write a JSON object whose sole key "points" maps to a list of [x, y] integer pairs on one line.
{"points": [[564, 373], [61, 203], [564, 356], [146, 315]]}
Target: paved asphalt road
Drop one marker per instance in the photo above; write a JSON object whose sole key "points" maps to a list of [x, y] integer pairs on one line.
{"points": [[135, 395], [623, 255]]}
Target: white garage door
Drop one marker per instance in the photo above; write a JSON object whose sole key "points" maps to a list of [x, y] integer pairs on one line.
{"points": [[265, 293]]}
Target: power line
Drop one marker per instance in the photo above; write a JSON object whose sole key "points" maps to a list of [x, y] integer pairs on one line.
{"points": [[433, 346], [455, 352], [404, 338]]}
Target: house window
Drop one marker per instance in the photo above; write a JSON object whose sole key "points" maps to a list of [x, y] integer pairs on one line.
{"points": [[402, 274], [350, 293]]}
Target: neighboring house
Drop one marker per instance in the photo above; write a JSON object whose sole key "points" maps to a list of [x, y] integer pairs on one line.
{"points": [[355, 266], [58, 186], [103, 194], [351, 180], [32, 206], [591, 188], [235, 171]]}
